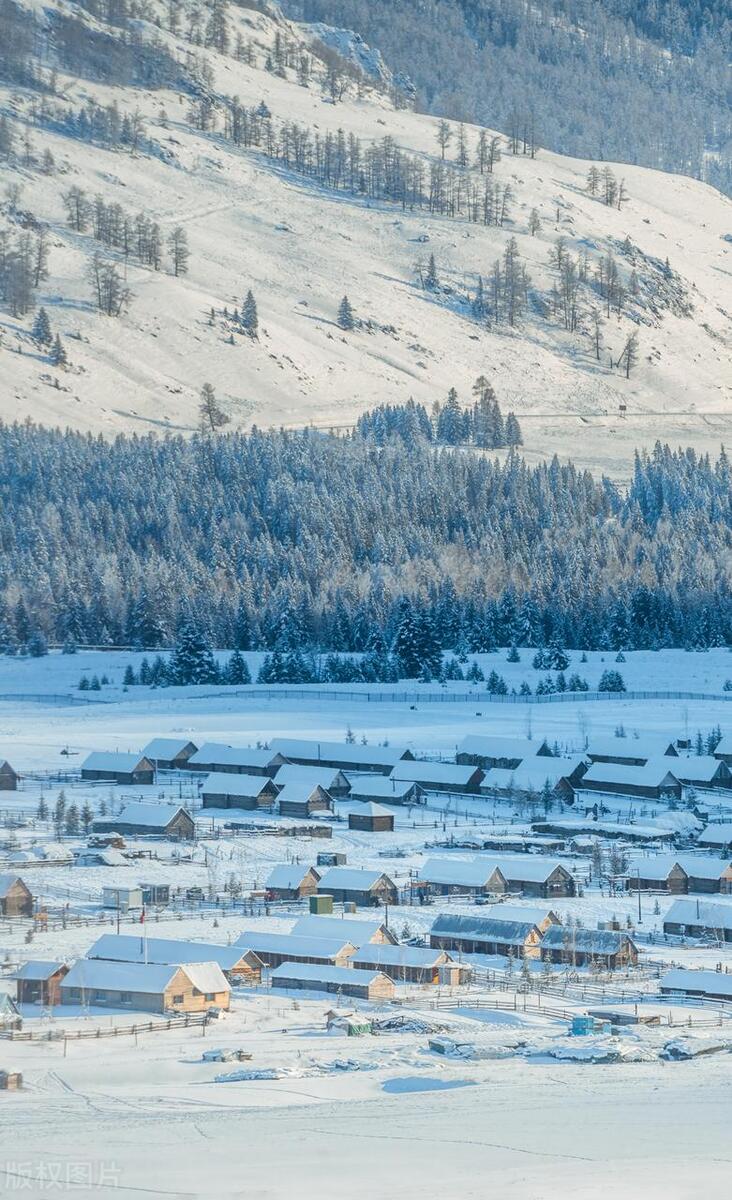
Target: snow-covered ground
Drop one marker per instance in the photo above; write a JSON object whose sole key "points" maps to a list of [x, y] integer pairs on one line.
{"points": [[300, 248]]}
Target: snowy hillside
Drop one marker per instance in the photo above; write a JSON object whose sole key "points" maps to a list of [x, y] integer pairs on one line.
{"points": [[254, 222]]}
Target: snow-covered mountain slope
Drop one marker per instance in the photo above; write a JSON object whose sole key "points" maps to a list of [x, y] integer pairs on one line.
{"points": [[253, 224]]}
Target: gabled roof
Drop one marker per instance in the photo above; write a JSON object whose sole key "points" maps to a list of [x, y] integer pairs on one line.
{"points": [[699, 912], [648, 746], [350, 879], [532, 773], [716, 835], [300, 791], [369, 809], [703, 767], [103, 760], [327, 777], [7, 881], [148, 978], [378, 955], [156, 816], [724, 746], [483, 929], [533, 868], [223, 783], [522, 912], [263, 941], [38, 970], [703, 866], [355, 931], [711, 983], [589, 941], [163, 951], [289, 875], [166, 748], [499, 746], [381, 786], [653, 774], [465, 872], [449, 773], [317, 973], [350, 754], [232, 756]]}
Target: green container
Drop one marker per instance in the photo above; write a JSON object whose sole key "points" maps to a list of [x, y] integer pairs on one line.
{"points": [[322, 906]]}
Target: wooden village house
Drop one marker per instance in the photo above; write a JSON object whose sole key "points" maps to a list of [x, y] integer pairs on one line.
{"points": [[149, 820], [277, 948], [440, 776], [371, 818], [346, 981], [360, 887], [344, 756], [238, 964], [356, 930], [291, 881], [118, 768], [147, 987], [16, 899], [214, 758], [304, 799], [230, 790], [169, 754], [506, 753], [8, 777], [39, 982]]}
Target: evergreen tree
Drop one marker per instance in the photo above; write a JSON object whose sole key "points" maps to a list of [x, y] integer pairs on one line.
{"points": [[192, 660], [249, 318], [87, 816], [42, 328], [346, 319], [431, 279], [237, 671]]}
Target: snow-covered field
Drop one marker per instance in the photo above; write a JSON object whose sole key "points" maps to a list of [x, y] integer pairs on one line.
{"points": [[300, 248], [143, 1115]]}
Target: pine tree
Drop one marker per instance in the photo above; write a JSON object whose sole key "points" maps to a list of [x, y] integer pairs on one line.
{"points": [[192, 660], [42, 810], [179, 252], [249, 318], [87, 816], [211, 414], [58, 353], [431, 279], [346, 319], [237, 671], [42, 328], [71, 820]]}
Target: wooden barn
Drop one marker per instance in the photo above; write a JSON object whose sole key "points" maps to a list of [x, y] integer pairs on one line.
{"points": [[461, 876], [291, 881], [707, 985], [541, 916], [238, 965], [486, 935], [346, 884], [356, 931], [39, 982], [364, 985], [534, 778], [277, 948], [169, 754], [409, 964], [716, 837], [230, 790], [8, 777], [343, 756], [678, 874], [331, 779], [382, 789], [699, 919], [217, 759], [575, 947], [304, 799], [651, 781], [535, 876], [16, 899], [506, 753], [118, 768], [148, 987], [440, 776], [703, 771], [150, 820], [723, 749], [630, 752], [371, 818]]}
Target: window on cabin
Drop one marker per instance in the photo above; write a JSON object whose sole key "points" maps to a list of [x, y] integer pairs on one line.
{"points": [[210, 995], [178, 999]]}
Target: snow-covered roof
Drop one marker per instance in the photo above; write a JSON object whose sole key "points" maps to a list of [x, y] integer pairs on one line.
{"points": [[697, 866], [350, 879], [651, 775], [482, 929], [327, 777], [531, 773], [319, 973], [369, 809], [298, 791], [530, 867], [467, 872], [223, 783], [38, 970], [381, 786], [377, 955], [703, 866], [699, 912], [648, 746], [448, 773], [166, 748], [232, 756], [657, 866], [716, 835], [522, 912], [356, 932], [157, 816], [104, 760], [724, 746], [350, 754], [287, 875], [105, 858], [703, 767], [289, 943], [7, 880], [711, 983], [171, 951], [148, 978], [498, 746], [589, 941]]}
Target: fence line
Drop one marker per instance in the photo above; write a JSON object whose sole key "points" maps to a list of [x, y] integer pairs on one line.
{"points": [[304, 692], [63, 1035]]}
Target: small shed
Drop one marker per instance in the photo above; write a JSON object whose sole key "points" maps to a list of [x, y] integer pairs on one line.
{"points": [[231, 790], [8, 777], [302, 799], [118, 768], [292, 881], [358, 886], [39, 982], [169, 754], [331, 858], [156, 893], [346, 981], [371, 818], [10, 1081], [16, 899], [122, 898]]}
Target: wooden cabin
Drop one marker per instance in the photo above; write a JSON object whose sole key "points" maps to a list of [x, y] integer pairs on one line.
{"points": [[505, 753], [39, 982], [331, 779], [678, 874], [360, 887], [371, 818], [150, 820], [716, 837], [277, 948], [304, 800], [16, 899], [381, 789], [486, 935], [230, 790], [238, 964], [461, 876], [148, 987], [291, 881], [704, 984], [118, 768], [170, 754], [363, 984], [408, 964], [575, 947], [699, 919], [535, 876], [8, 777], [723, 749], [440, 776], [650, 781], [357, 931], [630, 752], [342, 756], [703, 771], [217, 759], [534, 777]]}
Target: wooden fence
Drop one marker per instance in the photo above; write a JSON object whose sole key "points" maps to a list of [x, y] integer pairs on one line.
{"points": [[73, 1035]]}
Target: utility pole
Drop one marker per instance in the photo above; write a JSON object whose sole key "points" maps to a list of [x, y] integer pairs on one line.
{"points": [[640, 911]]}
